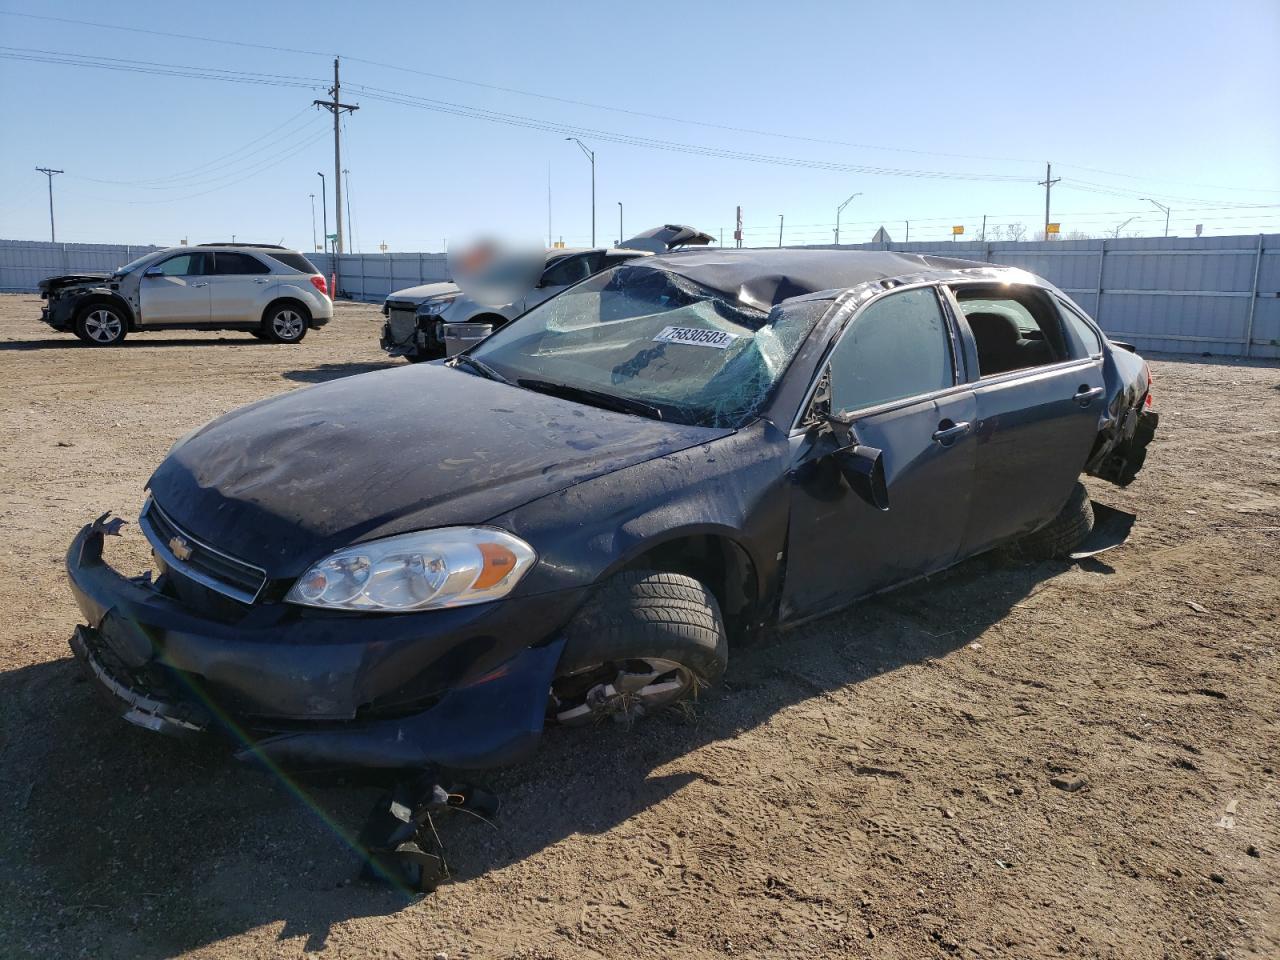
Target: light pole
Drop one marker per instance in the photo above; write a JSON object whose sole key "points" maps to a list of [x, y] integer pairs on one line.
{"points": [[779, 230], [619, 223], [324, 209], [592, 157], [53, 235], [313, 221], [1160, 206], [351, 237], [1116, 233], [840, 210]]}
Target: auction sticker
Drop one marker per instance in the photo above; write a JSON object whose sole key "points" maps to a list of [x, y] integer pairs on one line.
{"points": [[697, 336]]}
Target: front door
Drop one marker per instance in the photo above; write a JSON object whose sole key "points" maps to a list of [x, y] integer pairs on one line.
{"points": [[893, 380], [175, 291], [238, 288], [1039, 399], [562, 274]]}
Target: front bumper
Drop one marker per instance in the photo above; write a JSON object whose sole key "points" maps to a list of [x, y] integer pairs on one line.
{"points": [[464, 688]]}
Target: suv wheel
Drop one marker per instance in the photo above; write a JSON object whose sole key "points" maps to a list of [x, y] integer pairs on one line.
{"points": [[101, 325], [286, 322]]}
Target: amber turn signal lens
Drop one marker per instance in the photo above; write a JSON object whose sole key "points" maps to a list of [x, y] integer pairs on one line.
{"points": [[498, 562]]}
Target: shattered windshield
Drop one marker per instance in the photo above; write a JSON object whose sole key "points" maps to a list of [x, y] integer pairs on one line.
{"points": [[654, 343]]}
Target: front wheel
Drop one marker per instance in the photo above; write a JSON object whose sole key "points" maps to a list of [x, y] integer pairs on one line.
{"points": [[101, 325], [643, 641], [286, 323]]}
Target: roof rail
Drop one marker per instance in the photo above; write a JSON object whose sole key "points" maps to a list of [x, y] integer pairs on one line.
{"points": [[264, 246]]}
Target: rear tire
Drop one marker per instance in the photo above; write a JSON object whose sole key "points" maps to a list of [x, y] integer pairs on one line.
{"points": [[285, 322], [102, 325], [1056, 539], [643, 641]]}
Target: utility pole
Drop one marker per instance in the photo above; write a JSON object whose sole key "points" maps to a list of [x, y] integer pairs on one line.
{"points": [[840, 210], [984, 228], [1156, 203], [590, 154], [908, 237], [336, 106], [549, 234], [350, 229], [313, 221], [324, 208], [619, 223], [53, 234], [1047, 183], [779, 230]]}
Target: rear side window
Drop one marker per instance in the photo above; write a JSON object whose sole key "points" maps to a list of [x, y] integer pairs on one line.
{"points": [[899, 347], [1087, 340], [1014, 328], [294, 261], [238, 263]]}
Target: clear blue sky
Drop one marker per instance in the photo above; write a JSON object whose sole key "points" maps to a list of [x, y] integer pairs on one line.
{"points": [[1176, 101]]}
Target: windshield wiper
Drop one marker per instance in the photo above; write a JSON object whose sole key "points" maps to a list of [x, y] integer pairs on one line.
{"points": [[596, 398], [479, 366]]}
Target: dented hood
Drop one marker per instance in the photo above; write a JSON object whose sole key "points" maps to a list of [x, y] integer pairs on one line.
{"points": [[283, 482]]}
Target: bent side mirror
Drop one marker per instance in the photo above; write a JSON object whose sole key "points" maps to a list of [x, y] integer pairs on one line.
{"points": [[863, 469]]}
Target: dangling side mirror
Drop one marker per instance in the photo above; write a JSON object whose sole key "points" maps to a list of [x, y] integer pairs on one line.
{"points": [[863, 469]]}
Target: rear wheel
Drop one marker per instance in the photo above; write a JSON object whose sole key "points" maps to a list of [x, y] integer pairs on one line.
{"points": [[286, 322], [101, 325], [643, 641], [1056, 539]]}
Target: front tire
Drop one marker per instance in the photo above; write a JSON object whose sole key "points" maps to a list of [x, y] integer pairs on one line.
{"points": [[102, 325], [286, 322], [645, 640]]}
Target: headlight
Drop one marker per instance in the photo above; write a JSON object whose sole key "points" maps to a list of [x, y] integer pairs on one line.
{"points": [[450, 567], [437, 305]]}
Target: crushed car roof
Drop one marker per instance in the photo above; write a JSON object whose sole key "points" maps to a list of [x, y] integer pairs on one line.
{"points": [[764, 278]]}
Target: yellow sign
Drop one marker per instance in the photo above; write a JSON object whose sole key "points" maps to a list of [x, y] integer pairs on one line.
{"points": [[1053, 228], [558, 245], [956, 231]]}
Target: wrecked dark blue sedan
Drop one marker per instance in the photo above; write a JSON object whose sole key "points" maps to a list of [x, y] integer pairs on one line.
{"points": [[588, 511]]}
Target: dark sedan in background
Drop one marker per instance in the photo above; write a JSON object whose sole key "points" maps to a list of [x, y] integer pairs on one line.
{"points": [[584, 513]]}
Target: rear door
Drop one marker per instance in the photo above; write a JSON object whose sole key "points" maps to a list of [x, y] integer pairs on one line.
{"points": [[894, 373], [240, 287], [1039, 399], [175, 291]]}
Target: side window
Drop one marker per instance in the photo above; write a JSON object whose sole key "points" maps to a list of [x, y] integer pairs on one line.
{"points": [[183, 265], [1087, 341], [571, 270], [1013, 328], [237, 263], [898, 347]]}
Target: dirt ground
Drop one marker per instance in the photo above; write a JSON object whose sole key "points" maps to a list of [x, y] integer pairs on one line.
{"points": [[876, 784]]}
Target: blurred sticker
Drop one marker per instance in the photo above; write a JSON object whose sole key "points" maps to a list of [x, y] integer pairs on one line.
{"points": [[697, 336]]}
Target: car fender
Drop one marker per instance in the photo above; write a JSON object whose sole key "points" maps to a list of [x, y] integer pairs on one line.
{"points": [[102, 295]]}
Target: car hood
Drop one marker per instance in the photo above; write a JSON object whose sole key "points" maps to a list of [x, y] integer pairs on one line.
{"points": [[421, 292], [70, 280], [283, 482]]}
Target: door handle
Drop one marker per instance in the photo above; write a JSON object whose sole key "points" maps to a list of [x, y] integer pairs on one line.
{"points": [[260, 280], [205, 284], [1086, 394], [945, 434]]}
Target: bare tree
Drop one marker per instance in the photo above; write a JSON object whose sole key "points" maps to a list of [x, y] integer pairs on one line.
{"points": [[1016, 231]]}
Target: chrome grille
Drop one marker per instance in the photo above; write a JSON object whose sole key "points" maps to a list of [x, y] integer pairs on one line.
{"points": [[202, 563]]}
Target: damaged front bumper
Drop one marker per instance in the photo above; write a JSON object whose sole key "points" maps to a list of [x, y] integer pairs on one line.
{"points": [[465, 688]]}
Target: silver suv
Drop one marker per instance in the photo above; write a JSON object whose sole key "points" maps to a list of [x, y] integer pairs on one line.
{"points": [[272, 292]]}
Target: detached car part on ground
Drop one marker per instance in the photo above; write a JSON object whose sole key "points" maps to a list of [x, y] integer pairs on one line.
{"points": [[434, 320], [583, 514], [272, 292]]}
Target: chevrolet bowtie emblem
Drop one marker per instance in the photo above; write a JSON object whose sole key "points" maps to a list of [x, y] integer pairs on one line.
{"points": [[180, 548]]}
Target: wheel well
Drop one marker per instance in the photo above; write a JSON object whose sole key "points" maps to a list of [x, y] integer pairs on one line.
{"points": [[722, 564], [281, 301], [101, 298]]}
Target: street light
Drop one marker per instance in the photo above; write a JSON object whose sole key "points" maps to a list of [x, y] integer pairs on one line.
{"points": [[1160, 206], [839, 210], [619, 223], [592, 157], [779, 230], [1116, 234], [313, 220], [324, 208]]}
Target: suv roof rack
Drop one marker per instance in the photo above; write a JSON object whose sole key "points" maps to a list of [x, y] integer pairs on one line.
{"points": [[263, 246]]}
